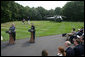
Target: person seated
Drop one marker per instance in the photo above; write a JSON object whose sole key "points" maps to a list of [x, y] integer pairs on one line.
{"points": [[78, 49], [79, 32], [82, 30], [44, 53], [61, 51], [69, 51], [70, 34], [72, 37], [81, 38]]}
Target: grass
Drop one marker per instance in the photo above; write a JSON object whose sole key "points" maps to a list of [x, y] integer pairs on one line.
{"points": [[43, 28]]}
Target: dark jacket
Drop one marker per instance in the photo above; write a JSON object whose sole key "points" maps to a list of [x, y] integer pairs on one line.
{"points": [[13, 33], [69, 51], [79, 50], [33, 28], [12, 29]]}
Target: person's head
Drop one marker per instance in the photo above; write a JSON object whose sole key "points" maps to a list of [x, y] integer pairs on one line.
{"points": [[13, 24], [61, 50], [76, 42], [32, 24], [78, 29], [73, 29], [81, 30], [44, 53], [67, 43], [81, 39]]}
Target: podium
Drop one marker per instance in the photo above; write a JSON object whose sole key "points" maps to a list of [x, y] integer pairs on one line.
{"points": [[11, 40], [31, 39]]}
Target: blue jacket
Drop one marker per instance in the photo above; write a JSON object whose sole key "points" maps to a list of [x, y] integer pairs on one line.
{"points": [[12, 29]]}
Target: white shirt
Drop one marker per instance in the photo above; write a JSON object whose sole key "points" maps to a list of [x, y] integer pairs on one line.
{"points": [[59, 54]]}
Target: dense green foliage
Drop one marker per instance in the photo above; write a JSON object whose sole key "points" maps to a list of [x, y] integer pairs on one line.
{"points": [[74, 11], [11, 11]]}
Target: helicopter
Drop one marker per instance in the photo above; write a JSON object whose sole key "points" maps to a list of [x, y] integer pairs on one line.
{"points": [[57, 18]]}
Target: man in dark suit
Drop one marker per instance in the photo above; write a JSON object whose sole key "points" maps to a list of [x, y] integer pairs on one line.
{"points": [[12, 31], [78, 49], [33, 28], [69, 50], [12, 34]]}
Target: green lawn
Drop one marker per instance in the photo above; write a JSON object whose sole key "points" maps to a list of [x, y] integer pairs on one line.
{"points": [[43, 28]]}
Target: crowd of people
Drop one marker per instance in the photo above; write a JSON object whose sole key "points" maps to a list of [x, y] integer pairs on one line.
{"points": [[77, 39], [74, 44]]}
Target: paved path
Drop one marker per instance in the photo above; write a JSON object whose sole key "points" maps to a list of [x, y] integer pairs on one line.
{"points": [[24, 48]]}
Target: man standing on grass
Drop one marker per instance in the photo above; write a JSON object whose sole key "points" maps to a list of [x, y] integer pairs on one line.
{"points": [[32, 30], [12, 34], [23, 21], [28, 21], [12, 31]]}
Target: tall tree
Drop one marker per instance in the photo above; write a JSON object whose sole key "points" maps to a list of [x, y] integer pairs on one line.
{"points": [[42, 11], [51, 12], [74, 11], [58, 11]]}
